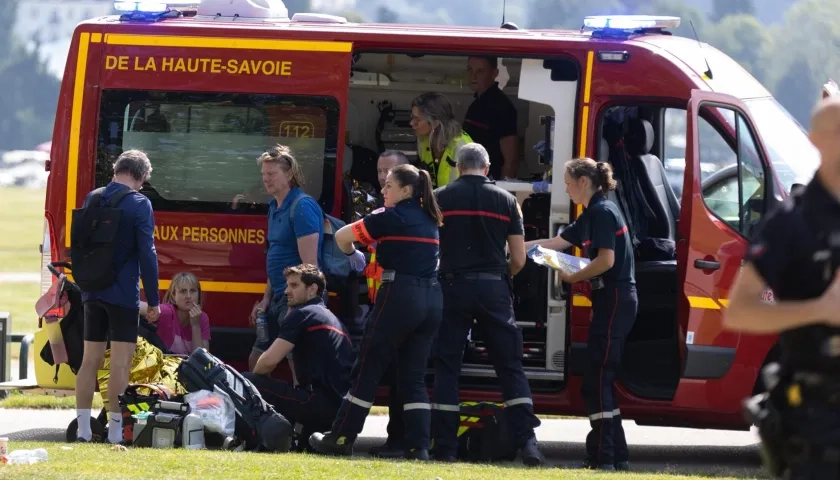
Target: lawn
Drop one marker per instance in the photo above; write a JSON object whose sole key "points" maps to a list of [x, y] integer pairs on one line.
{"points": [[22, 217], [99, 461]]}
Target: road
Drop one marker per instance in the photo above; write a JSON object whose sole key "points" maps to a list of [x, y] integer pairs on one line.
{"points": [[654, 449]]}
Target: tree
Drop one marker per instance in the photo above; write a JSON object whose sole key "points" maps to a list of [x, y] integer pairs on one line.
{"points": [[678, 8], [746, 40], [297, 6], [353, 17], [805, 55], [570, 13], [30, 91], [722, 8], [386, 15]]}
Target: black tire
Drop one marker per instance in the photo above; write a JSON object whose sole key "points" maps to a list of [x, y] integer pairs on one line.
{"points": [[96, 429]]}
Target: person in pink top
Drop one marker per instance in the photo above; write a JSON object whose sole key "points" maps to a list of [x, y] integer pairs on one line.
{"points": [[181, 318]]}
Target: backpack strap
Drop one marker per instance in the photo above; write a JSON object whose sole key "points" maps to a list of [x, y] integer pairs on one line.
{"points": [[115, 200]]}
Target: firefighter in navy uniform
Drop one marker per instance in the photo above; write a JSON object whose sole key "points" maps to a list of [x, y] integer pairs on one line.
{"points": [[602, 233], [475, 277], [393, 446], [405, 316], [795, 253]]}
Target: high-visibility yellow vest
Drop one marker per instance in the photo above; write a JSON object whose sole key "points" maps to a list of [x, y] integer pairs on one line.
{"points": [[443, 170]]}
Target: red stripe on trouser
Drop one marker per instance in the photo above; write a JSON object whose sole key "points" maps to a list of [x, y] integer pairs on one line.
{"points": [[364, 356], [601, 377]]}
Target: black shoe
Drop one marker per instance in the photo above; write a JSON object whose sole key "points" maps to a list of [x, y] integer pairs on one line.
{"points": [[531, 455], [331, 444], [417, 454], [83, 440], [622, 466], [387, 450], [590, 465]]}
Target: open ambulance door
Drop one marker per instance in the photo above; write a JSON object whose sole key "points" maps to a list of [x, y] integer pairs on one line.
{"points": [[552, 86], [726, 189]]}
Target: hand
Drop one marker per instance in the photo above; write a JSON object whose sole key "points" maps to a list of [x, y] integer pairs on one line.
{"points": [[153, 313], [261, 305], [531, 251], [567, 277], [195, 315], [543, 186], [829, 301], [357, 261], [238, 198]]}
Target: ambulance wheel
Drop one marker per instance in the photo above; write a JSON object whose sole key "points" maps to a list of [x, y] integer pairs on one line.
{"points": [[96, 429]]}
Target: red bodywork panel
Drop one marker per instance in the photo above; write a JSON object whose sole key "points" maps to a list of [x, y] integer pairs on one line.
{"points": [[132, 56]]}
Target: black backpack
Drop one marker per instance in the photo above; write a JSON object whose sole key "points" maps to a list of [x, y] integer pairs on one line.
{"points": [[93, 241], [483, 435]]}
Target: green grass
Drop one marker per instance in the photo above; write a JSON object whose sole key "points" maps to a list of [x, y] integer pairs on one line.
{"points": [[95, 461], [22, 217], [19, 300], [44, 402]]}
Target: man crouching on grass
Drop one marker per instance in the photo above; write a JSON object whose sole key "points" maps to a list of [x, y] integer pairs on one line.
{"points": [[322, 355]]}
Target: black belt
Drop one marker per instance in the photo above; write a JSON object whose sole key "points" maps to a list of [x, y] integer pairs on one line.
{"points": [[389, 276], [472, 276]]}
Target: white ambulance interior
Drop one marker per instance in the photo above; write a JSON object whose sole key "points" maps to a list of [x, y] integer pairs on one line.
{"points": [[544, 92]]}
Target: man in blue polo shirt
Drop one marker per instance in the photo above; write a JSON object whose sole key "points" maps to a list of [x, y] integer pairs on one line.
{"points": [[295, 235]]}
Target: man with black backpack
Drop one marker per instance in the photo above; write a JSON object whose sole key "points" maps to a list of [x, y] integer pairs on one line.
{"points": [[111, 245]]}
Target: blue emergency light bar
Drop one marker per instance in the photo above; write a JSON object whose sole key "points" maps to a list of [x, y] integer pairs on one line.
{"points": [[630, 22], [153, 7]]}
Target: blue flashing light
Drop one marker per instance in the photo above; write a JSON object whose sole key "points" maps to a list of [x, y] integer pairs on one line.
{"points": [[153, 7], [629, 22]]}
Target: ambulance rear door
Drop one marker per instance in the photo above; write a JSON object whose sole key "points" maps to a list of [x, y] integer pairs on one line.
{"points": [[729, 184], [204, 107]]}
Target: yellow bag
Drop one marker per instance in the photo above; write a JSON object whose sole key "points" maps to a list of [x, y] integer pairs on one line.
{"points": [[148, 365]]}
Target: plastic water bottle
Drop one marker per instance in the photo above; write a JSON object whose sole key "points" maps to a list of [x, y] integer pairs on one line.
{"points": [[56, 339], [262, 327], [25, 457]]}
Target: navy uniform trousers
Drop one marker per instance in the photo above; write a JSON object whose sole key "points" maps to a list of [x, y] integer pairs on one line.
{"points": [[613, 314], [487, 298], [405, 318]]}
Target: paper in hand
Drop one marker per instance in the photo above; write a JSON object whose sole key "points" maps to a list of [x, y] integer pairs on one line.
{"points": [[557, 260]]}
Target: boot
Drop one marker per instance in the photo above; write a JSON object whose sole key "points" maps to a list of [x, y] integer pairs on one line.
{"points": [[417, 454], [331, 444], [531, 455], [390, 449], [622, 466], [588, 464]]}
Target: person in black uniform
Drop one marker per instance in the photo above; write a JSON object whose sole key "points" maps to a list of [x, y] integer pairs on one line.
{"points": [[475, 276], [393, 446], [405, 316], [491, 118], [321, 349], [602, 233], [795, 252]]}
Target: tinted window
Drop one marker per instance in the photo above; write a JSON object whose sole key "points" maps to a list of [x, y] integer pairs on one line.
{"points": [[734, 192], [203, 147]]}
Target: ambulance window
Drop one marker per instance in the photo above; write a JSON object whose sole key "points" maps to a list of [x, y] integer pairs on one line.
{"points": [[734, 190], [715, 152], [203, 146]]}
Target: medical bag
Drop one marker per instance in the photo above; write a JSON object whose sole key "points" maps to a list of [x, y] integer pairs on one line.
{"points": [[139, 398], [258, 426], [483, 434]]}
